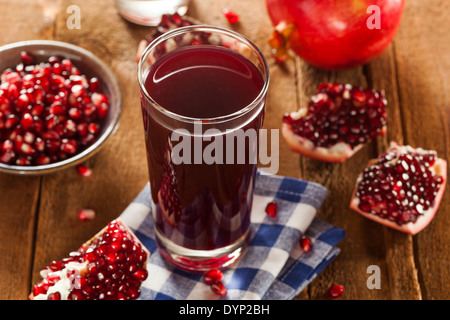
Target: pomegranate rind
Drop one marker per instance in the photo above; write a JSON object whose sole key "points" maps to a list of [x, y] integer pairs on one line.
{"points": [[86, 245], [440, 167], [338, 153]]}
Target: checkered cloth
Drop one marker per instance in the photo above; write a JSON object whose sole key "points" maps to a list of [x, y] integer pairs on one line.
{"points": [[273, 268]]}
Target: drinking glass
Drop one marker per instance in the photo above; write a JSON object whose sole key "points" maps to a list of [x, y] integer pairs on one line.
{"points": [[202, 209]]}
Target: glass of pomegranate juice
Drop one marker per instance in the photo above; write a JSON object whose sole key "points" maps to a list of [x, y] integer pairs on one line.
{"points": [[203, 92]]}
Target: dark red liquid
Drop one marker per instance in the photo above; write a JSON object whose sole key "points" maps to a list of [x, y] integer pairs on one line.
{"points": [[199, 206], [203, 82]]}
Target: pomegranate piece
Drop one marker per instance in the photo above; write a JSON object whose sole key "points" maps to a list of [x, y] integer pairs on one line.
{"points": [[352, 28], [212, 276], [272, 209], [401, 189], [335, 291], [231, 16], [42, 106], [110, 266], [339, 120]]}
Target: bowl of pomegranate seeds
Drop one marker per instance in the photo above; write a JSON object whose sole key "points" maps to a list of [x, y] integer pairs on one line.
{"points": [[59, 103]]}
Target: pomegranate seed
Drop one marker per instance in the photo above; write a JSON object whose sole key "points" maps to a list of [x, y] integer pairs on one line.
{"points": [[231, 16], [98, 99], [77, 91], [305, 244], [11, 121], [103, 110], [13, 92], [219, 289], [140, 274], [272, 209], [26, 58], [74, 113], [94, 85], [54, 296], [67, 65], [69, 147], [335, 291], [133, 292], [84, 171], [40, 289], [27, 121], [42, 160], [212, 276], [93, 128], [86, 214], [27, 149], [22, 102]]}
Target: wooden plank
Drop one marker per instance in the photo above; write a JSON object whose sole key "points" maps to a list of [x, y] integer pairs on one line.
{"points": [[422, 59], [401, 269], [19, 195]]}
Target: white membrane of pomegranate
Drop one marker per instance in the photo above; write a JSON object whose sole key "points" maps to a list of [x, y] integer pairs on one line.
{"points": [[337, 153], [66, 283]]}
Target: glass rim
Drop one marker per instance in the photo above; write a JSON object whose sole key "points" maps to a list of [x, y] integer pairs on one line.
{"points": [[203, 27]]}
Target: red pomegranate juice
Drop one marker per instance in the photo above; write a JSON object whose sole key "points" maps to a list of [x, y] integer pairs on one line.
{"points": [[200, 206]]}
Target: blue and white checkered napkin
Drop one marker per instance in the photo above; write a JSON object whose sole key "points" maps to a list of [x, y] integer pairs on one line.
{"points": [[274, 267]]}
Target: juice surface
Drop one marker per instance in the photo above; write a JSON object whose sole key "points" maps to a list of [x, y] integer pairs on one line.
{"points": [[203, 82]]}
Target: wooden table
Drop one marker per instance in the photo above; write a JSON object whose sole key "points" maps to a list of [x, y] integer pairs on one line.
{"points": [[38, 215]]}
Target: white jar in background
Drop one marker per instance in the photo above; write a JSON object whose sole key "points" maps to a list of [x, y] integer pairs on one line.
{"points": [[149, 12]]}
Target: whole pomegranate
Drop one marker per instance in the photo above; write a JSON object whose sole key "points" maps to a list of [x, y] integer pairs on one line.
{"points": [[332, 34]]}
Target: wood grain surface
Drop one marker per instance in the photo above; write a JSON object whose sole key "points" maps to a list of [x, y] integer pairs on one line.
{"points": [[38, 215]]}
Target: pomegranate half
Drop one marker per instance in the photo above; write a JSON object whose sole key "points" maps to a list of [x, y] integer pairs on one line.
{"points": [[401, 189], [110, 266], [338, 121], [332, 34]]}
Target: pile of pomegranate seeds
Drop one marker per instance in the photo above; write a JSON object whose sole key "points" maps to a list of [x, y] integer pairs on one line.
{"points": [[112, 267], [341, 113], [335, 291], [49, 111], [213, 278], [401, 185]]}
